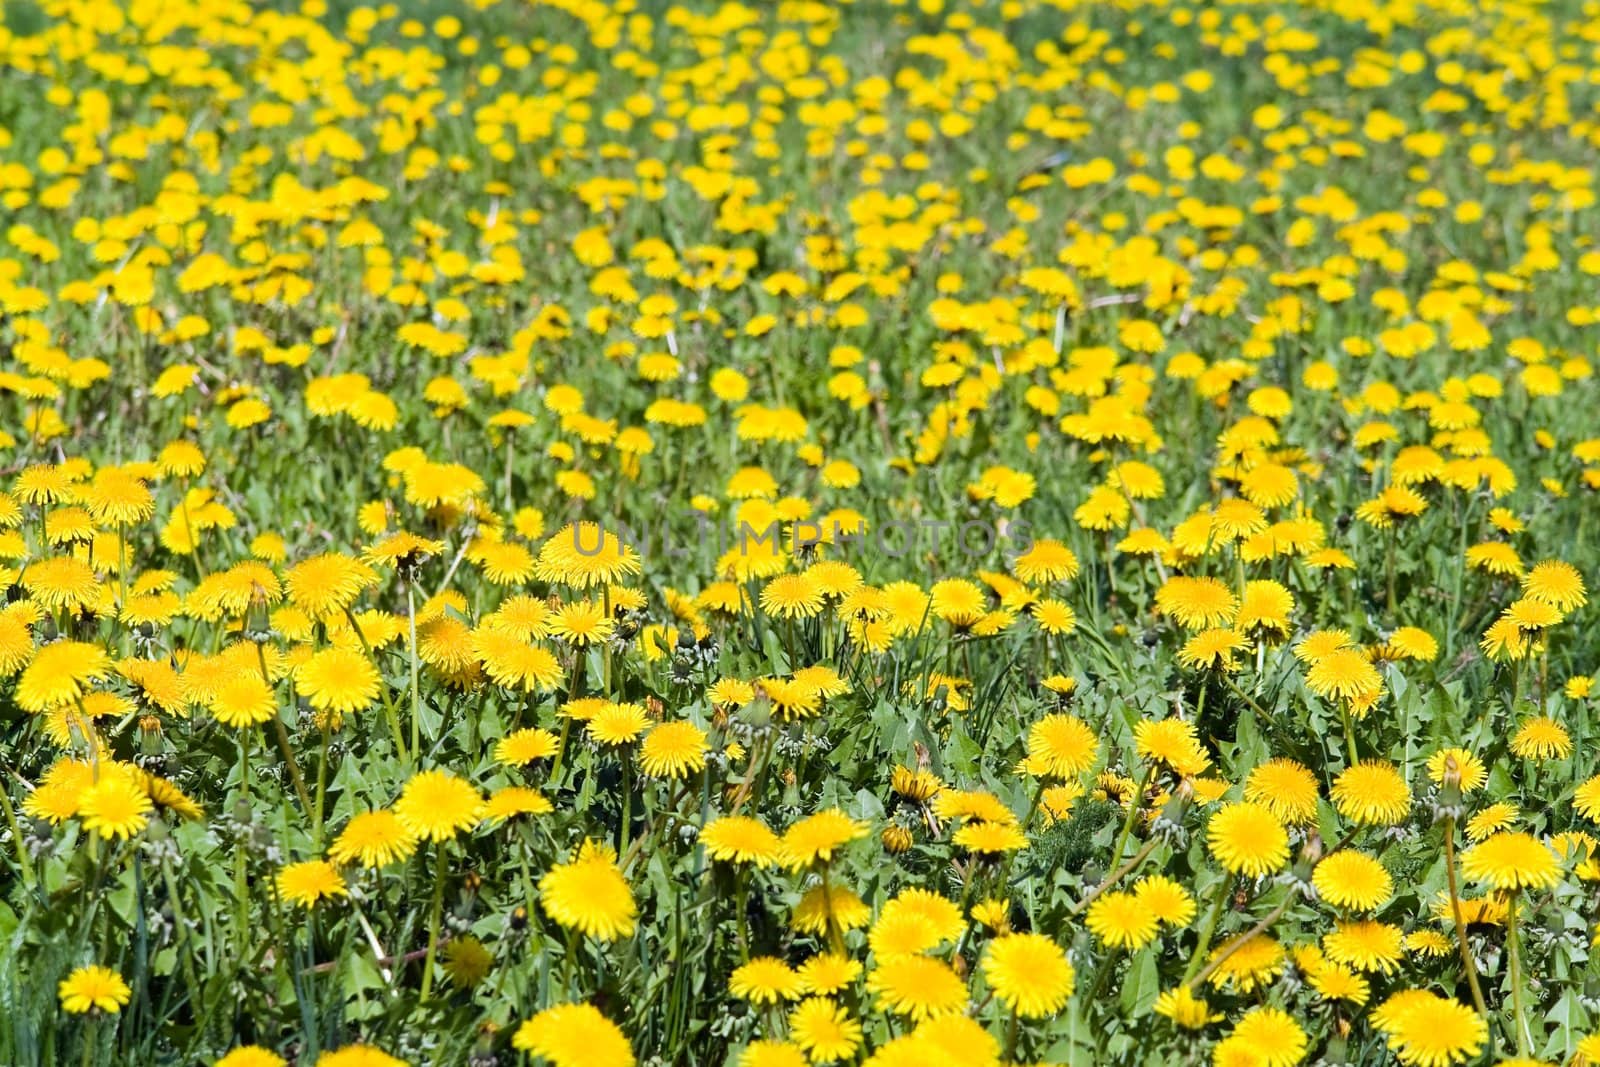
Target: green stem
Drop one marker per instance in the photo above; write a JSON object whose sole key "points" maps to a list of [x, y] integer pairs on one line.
{"points": [[294, 768], [835, 937], [241, 885], [1239, 942], [1467, 964], [605, 646], [561, 752], [569, 965], [23, 860], [1224, 888], [1389, 567], [122, 566], [436, 912], [1519, 1010], [322, 791], [1115, 876], [383, 690], [1349, 733], [284, 733], [1135, 802], [416, 691], [1247, 698], [741, 899], [1027, 823], [627, 802], [183, 937]]}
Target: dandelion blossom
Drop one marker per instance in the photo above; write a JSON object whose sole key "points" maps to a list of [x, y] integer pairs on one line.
{"points": [[1344, 674], [251, 1056], [337, 681], [116, 806], [590, 894], [740, 839], [1266, 1037], [1371, 793], [1510, 861], [436, 805], [93, 988], [824, 1029], [765, 980], [1349, 879], [816, 837], [1286, 787], [1062, 745], [1121, 920], [307, 883], [373, 839], [1541, 738], [919, 986], [673, 750], [1029, 973], [1247, 838], [1557, 583], [1427, 1030], [574, 1035]]}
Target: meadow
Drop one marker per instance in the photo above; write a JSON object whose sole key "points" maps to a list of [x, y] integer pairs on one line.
{"points": [[909, 534]]}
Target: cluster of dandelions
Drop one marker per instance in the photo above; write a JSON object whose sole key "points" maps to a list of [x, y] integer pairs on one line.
{"points": [[1156, 620]]}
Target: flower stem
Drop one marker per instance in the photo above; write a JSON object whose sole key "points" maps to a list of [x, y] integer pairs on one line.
{"points": [[835, 938], [1135, 802], [561, 752], [1239, 942], [1115, 876], [741, 895], [416, 691], [23, 860], [322, 791], [1519, 1012], [294, 768], [1389, 567], [1027, 824], [383, 691], [1209, 929], [434, 915], [241, 885], [1467, 963], [627, 803], [283, 736]]}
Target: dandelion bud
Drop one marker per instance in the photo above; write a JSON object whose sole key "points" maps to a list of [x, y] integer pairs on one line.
{"points": [[916, 786], [1305, 864], [1448, 804], [1171, 816]]}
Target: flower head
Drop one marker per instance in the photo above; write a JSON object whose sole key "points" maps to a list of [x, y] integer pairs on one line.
{"points": [[574, 1035], [93, 988], [1029, 973], [436, 805], [590, 894], [1248, 839], [1512, 861], [307, 883]]}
